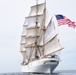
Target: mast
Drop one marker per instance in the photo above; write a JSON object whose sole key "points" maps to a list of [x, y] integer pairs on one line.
{"points": [[44, 29], [34, 21], [36, 28]]}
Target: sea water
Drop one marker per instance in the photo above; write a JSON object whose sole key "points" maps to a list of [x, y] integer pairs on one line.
{"points": [[66, 72]]}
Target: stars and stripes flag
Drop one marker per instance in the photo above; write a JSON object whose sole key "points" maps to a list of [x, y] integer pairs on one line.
{"points": [[62, 20]]}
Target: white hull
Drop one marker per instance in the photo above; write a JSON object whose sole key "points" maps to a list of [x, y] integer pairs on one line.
{"points": [[46, 65]]}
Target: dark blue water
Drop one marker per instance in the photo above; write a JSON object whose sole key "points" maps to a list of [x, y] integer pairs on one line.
{"points": [[69, 72]]}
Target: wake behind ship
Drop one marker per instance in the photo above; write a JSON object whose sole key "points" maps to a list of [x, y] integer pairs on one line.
{"points": [[39, 42]]}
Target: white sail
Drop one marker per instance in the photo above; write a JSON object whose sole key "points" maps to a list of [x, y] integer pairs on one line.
{"points": [[24, 30], [25, 25], [50, 31], [26, 21], [36, 39], [41, 30], [40, 40], [30, 40], [31, 31], [32, 20], [52, 46], [23, 37], [40, 9], [52, 43], [23, 42], [25, 57]]}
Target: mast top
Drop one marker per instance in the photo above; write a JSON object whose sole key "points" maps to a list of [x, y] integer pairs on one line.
{"points": [[45, 1], [36, 0]]}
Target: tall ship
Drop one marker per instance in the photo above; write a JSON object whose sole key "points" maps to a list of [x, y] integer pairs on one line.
{"points": [[39, 42]]}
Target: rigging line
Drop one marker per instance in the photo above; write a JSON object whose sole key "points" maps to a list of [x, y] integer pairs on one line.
{"points": [[31, 49], [51, 39], [39, 51], [39, 39], [40, 31]]}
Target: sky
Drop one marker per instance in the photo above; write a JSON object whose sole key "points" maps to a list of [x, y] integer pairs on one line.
{"points": [[12, 15]]}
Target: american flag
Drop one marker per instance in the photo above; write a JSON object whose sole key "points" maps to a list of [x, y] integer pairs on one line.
{"points": [[62, 20]]}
